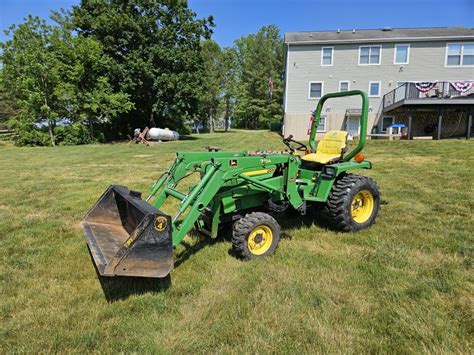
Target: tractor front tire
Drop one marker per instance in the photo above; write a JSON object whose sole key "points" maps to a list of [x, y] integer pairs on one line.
{"points": [[353, 203], [255, 236]]}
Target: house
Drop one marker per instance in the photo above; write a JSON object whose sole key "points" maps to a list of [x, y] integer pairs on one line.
{"points": [[421, 77]]}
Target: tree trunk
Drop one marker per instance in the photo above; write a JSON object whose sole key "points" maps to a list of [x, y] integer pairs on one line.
{"points": [[50, 123], [51, 132], [227, 113], [152, 120], [211, 122], [91, 128]]}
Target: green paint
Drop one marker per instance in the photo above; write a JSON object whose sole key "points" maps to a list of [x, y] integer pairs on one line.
{"points": [[233, 182], [363, 120]]}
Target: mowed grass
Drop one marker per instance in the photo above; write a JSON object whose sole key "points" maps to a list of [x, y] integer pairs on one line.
{"points": [[405, 285]]}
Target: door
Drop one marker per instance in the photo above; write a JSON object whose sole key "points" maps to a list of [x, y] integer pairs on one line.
{"points": [[352, 126]]}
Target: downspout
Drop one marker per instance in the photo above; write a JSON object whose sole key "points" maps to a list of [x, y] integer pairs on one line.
{"points": [[285, 97]]}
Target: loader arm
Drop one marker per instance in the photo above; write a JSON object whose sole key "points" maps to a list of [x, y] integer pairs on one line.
{"points": [[226, 169]]}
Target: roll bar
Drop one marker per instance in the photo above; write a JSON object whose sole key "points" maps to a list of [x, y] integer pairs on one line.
{"points": [[363, 121]]}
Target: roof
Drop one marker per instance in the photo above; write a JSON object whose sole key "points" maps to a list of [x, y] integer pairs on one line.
{"points": [[386, 34]]}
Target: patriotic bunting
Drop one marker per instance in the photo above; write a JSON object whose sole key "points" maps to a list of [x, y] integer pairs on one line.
{"points": [[462, 86], [425, 86]]}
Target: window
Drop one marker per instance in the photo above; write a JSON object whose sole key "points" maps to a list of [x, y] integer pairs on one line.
{"points": [[459, 54], [374, 88], [386, 122], [370, 55], [402, 54], [315, 89], [344, 86], [326, 56], [322, 125]]}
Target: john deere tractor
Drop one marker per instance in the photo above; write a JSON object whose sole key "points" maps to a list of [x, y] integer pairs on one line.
{"points": [[131, 236]]}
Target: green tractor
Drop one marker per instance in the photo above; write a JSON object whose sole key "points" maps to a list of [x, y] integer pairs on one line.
{"points": [[129, 236]]}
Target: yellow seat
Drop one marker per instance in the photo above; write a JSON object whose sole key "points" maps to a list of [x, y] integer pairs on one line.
{"points": [[330, 148]]}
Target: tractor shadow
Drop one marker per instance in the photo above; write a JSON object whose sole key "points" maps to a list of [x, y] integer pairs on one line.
{"points": [[191, 249], [291, 220], [119, 288]]}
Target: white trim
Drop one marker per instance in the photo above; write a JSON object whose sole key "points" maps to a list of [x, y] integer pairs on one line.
{"points": [[332, 56], [309, 90], [386, 40], [370, 45], [348, 85], [462, 55], [395, 53], [380, 88], [325, 124], [381, 122], [285, 103]]}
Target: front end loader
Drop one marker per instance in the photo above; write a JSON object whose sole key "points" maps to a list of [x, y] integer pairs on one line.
{"points": [[131, 236]]}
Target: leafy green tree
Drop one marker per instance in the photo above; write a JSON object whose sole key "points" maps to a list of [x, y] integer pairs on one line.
{"points": [[53, 74], [154, 50], [212, 82], [229, 62], [259, 61], [28, 70], [87, 93], [8, 107]]}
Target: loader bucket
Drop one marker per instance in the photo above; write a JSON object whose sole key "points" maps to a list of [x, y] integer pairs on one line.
{"points": [[127, 236]]}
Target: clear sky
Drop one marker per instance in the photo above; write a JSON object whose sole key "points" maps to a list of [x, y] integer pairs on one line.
{"points": [[235, 18]]}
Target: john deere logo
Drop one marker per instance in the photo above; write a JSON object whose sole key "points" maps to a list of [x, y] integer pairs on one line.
{"points": [[160, 223]]}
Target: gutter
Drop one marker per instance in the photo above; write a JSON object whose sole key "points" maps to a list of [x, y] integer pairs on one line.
{"points": [[385, 40]]}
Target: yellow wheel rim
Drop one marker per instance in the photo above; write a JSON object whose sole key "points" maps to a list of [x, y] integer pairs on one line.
{"points": [[260, 240], [362, 206]]}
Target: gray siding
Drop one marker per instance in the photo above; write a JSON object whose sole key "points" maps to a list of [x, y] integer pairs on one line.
{"points": [[426, 63]]}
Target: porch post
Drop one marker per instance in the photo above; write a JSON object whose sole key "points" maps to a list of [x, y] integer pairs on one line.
{"points": [[469, 123], [440, 122], [410, 124]]}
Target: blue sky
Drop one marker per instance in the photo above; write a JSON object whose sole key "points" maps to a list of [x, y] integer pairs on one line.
{"points": [[235, 18]]}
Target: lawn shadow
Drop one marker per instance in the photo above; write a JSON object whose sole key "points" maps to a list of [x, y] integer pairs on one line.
{"points": [[191, 249], [118, 288], [291, 219], [189, 138]]}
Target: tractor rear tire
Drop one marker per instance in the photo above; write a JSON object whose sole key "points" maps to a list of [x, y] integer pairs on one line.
{"points": [[353, 203], [255, 236]]}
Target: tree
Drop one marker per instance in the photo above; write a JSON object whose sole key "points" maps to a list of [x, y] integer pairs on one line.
{"points": [[87, 93], [154, 50], [212, 82], [29, 72], [54, 75], [229, 62], [8, 107], [259, 87]]}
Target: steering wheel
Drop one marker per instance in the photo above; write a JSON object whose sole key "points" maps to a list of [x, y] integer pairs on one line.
{"points": [[294, 145]]}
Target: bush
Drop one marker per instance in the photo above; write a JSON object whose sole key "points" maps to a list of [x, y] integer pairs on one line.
{"points": [[31, 136], [275, 126], [75, 134]]}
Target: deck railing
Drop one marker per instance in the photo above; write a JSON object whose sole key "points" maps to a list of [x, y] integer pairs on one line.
{"points": [[440, 90]]}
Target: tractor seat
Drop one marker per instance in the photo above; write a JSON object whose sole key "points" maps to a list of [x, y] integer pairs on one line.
{"points": [[330, 150]]}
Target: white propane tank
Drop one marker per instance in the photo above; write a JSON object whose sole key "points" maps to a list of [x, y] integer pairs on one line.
{"points": [[162, 134]]}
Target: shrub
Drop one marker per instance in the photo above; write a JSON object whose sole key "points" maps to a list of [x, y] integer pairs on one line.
{"points": [[275, 126], [31, 136], [74, 134]]}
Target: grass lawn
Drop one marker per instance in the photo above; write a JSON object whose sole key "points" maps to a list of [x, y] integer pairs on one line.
{"points": [[404, 285]]}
